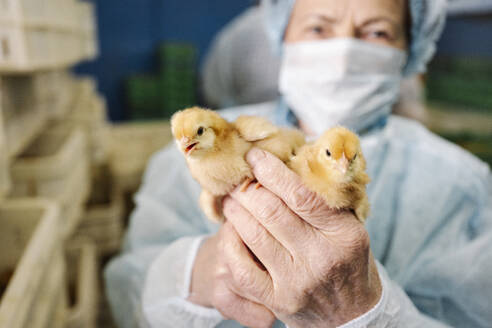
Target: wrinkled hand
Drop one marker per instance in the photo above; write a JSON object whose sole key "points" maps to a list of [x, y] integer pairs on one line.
{"points": [[213, 286], [317, 269]]}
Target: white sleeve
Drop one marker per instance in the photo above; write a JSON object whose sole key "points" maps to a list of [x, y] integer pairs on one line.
{"points": [[167, 288], [393, 310]]}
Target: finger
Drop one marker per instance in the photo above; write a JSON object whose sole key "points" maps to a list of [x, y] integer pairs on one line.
{"points": [[272, 213], [235, 307], [279, 179], [261, 243], [254, 283]]}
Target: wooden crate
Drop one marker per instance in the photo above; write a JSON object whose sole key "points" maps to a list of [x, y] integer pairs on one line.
{"points": [[89, 29], [88, 112], [51, 297], [83, 281], [55, 166], [4, 167], [39, 34], [29, 100], [27, 49], [42, 34], [29, 244], [53, 14], [131, 146], [23, 107], [62, 91], [105, 227], [72, 215], [24, 49], [29, 12], [102, 221]]}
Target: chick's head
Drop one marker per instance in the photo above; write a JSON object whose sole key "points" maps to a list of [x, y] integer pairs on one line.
{"points": [[197, 130], [340, 153]]}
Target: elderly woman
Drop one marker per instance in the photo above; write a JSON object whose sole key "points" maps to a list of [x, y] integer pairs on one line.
{"points": [[424, 258]]}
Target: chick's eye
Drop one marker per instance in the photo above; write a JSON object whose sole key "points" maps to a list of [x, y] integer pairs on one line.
{"points": [[328, 153], [200, 131]]}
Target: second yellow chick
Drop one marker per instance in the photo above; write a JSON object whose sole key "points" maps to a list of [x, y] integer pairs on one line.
{"points": [[334, 167]]}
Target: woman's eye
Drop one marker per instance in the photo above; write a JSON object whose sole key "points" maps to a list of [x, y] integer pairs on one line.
{"points": [[381, 35], [315, 30], [200, 131]]}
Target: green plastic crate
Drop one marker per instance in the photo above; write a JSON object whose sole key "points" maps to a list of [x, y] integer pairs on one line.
{"points": [[461, 82], [464, 66], [173, 88], [144, 97], [174, 75], [177, 56], [473, 92]]}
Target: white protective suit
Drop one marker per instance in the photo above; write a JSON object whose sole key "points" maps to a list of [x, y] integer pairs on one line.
{"points": [[431, 228]]}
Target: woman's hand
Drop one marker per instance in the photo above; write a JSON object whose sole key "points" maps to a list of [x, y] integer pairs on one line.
{"points": [[317, 269], [213, 286]]}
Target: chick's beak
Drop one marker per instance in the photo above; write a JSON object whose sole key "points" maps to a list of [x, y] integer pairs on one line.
{"points": [[343, 164], [188, 145]]}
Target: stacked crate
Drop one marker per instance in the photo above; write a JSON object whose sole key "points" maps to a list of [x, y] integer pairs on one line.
{"points": [[45, 34], [52, 132], [460, 92], [32, 270], [131, 146], [463, 82], [144, 98], [65, 173], [4, 174]]}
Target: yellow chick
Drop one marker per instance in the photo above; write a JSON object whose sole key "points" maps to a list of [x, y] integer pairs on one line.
{"points": [[215, 154], [281, 142], [334, 167]]}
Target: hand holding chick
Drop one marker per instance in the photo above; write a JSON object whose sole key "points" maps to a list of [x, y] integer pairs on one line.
{"points": [[334, 167], [215, 150]]}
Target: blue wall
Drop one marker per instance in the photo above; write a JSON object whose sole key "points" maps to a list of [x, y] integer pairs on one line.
{"points": [[467, 36], [129, 31]]}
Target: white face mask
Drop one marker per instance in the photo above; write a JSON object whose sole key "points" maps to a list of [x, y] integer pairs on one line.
{"points": [[340, 81]]}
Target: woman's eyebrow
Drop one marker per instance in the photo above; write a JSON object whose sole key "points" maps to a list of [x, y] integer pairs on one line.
{"points": [[379, 19], [323, 17]]}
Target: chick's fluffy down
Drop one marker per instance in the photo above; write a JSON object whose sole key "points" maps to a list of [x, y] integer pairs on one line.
{"points": [[215, 150], [334, 167]]}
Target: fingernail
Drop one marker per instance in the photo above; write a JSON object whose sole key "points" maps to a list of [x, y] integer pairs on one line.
{"points": [[255, 155]]}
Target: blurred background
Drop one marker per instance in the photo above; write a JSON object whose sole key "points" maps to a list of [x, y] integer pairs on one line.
{"points": [[86, 89]]}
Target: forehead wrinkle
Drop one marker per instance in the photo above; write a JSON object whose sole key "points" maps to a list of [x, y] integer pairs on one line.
{"points": [[390, 10], [379, 19], [319, 16]]}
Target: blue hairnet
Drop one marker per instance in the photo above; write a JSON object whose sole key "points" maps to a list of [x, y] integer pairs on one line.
{"points": [[428, 17]]}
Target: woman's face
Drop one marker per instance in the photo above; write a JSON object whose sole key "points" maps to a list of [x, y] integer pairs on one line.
{"points": [[378, 21]]}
